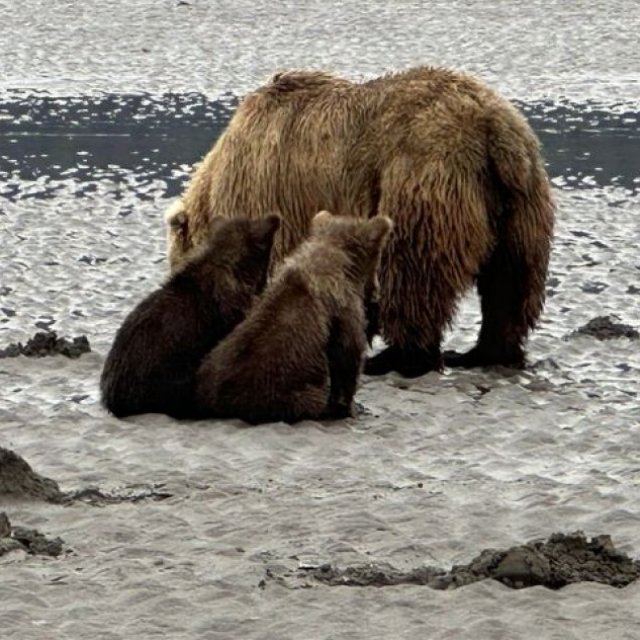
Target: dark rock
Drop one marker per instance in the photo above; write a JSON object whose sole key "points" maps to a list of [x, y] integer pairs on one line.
{"points": [[18, 479], [606, 328], [47, 343]]}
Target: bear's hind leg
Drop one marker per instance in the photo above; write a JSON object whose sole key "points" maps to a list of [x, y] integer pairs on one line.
{"points": [[511, 297], [511, 283]]}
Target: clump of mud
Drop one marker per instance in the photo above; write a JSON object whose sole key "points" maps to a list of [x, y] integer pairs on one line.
{"points": [[19, 480], [375, 575], [606, 328], [137, 493], [29, 540], [47, 343], [555, 563]]}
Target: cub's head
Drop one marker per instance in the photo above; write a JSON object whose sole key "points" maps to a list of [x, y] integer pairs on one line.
{"points": [[241, 247], [361, 240]]}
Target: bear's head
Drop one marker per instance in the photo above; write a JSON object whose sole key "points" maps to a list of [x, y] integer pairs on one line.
{"points": [[179, 242]]}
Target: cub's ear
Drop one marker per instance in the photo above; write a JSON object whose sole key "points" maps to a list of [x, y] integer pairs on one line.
{"points": [[379, 228], [321, 219], [216, 223], [265, 228], [272, 222]]}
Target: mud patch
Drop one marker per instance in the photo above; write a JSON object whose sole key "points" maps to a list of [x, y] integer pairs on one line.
{"points": [[19, 480], [375, 575], [47, 343], [30, 541], [606, 328], [555, 563], [131, 493]]}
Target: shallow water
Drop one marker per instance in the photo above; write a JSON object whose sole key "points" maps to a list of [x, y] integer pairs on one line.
{"points": [[103, 108]]}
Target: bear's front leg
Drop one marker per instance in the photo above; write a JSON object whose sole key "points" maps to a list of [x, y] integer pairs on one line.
{"points": [[337, 411]]}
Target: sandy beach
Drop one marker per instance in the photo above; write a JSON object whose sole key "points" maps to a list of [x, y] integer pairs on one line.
{"points": [[102, 111]]}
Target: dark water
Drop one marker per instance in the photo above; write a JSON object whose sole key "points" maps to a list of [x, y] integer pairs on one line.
{"points": [[136, 139]]}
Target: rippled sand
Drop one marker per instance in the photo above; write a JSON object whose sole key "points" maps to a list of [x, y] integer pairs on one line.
{"points": [[438, 468]]}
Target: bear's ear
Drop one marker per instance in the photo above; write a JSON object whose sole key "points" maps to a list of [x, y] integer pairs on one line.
{"points": [[379, 228], [321, 220], [176, 216]]}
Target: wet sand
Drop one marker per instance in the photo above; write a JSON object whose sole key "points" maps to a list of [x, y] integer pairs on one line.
{"points": [[204, 529]]}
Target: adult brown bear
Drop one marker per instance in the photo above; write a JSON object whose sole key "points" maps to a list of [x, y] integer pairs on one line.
{"points": [[452, 163]]}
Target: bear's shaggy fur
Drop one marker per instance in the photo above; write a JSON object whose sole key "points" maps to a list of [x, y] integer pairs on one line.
{"points": [[299, 352], [152, 363], [452, 163]]}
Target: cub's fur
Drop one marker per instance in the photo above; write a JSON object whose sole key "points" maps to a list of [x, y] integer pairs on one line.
{"points": [[298, 354], [156, 352]]}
